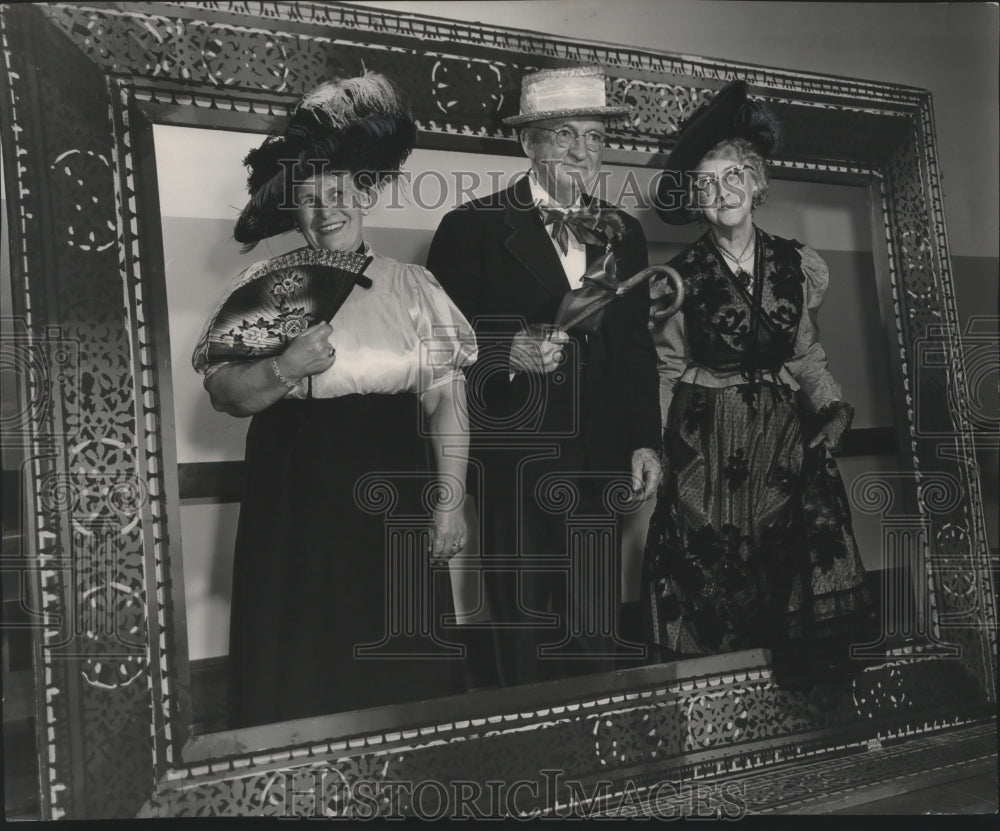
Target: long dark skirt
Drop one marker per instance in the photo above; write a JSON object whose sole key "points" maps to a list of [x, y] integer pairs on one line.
{"points": [[314, 579], [750, 544]]}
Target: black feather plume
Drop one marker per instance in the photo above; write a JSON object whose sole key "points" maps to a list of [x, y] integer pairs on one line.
{"points": [[758, 125], [355, 125]]}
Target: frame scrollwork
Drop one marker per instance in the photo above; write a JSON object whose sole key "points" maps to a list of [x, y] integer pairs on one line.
{"points": [[82, 85]]}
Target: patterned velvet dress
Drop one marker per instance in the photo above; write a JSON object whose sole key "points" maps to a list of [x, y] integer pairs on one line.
{"points": [[750, 543]]}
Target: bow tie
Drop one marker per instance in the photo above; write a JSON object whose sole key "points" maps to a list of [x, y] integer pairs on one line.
{"points": [[583, 224]]}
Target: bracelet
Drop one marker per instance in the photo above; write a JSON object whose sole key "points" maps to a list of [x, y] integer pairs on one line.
{"points": [[834, 406], [277, 374]]}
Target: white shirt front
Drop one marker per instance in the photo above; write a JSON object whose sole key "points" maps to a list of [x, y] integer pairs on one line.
{"points": [[574, 261]]}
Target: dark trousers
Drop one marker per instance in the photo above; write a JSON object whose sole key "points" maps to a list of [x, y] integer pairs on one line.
{"points": [[556, 614]]}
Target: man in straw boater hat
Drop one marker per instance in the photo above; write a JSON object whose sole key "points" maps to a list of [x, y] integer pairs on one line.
{"points": [[554, 412]]}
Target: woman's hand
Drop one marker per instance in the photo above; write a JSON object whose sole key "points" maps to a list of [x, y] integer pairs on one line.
{"points": [[647, 473], [449, 534], [447, 417], [308, 354], [839, 416], [243, 388]]}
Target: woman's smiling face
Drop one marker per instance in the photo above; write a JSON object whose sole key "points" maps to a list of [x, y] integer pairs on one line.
{"points": [[329, 211]]}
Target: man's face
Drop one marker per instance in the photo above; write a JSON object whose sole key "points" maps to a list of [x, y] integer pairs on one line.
{"points": [[560, 156]]}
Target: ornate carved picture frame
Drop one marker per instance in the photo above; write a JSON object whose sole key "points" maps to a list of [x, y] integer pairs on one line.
{"points": [[82, 86]]}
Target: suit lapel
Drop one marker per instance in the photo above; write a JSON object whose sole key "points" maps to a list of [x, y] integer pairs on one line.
{"points": [[530, 244]]}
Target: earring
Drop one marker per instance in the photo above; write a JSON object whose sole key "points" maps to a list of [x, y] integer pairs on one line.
{"points": [[757, 201]]}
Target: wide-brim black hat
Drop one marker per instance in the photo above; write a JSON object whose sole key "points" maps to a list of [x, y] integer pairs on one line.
{"points": [[357, 126], [728, 115]]}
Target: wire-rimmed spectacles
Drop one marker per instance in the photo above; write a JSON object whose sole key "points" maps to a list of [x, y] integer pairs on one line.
{"points": [[728, 179], [565, 137]]}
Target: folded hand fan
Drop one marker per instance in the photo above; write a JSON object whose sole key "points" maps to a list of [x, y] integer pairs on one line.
{"points": [[280, 298]]}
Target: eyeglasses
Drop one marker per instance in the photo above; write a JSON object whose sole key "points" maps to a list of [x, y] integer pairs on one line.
{"points": [[565, 137], [728, 188], [729, 179]]}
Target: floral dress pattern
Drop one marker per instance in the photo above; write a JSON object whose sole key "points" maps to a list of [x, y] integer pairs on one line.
{"points": [[750, 543]]}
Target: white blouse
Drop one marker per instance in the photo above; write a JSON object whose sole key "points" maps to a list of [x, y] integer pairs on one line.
{"points": [[403, 334]]}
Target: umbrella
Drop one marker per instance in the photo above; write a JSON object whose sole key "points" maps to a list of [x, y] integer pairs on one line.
{"points": [[582, 309], [280, 298]]}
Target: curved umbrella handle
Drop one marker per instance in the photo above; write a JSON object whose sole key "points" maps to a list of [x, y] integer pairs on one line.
{"points": [[653, 272]]}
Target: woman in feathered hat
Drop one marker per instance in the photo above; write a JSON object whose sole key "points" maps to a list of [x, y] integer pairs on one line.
{"points": [[336, 404], [751, 541]]}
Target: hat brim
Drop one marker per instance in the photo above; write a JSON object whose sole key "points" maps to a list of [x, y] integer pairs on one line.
{"points": [[578, 112], [705, 130], [261, 218], [377, 147]]}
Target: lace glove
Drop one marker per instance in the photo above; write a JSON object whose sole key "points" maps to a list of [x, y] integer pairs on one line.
{"points": [[837, 417]]}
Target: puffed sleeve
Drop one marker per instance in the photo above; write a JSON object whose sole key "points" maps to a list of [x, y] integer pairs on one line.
{"points": [[672, 358], [809, 364], [447, 340], [199, 358]]}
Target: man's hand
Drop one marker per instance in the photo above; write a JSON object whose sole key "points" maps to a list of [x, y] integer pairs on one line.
{"points": [[839, 418], [646, 473], [538, 349]]}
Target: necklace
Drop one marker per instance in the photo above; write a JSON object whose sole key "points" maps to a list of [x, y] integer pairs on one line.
{"points": [[744, 276]]}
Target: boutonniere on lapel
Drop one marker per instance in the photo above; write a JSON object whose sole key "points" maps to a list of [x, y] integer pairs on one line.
{"points": [[582, 309]]}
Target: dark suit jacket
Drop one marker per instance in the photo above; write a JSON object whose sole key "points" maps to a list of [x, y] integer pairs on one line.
{"points": [[496, 260]]}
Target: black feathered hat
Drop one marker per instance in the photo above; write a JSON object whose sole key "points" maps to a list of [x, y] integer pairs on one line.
{"points": [[728, 115], [355, 125]]}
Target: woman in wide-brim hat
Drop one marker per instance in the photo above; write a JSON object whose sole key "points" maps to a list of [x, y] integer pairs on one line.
{"points": [[313, 579], [751, 543]]}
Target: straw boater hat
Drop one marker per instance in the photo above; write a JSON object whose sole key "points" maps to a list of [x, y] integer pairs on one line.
{"points": [[576, 92], [355, 125], [729, 115]]}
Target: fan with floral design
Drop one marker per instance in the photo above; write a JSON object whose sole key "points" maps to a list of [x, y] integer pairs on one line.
{"points": [[280, 298]]}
